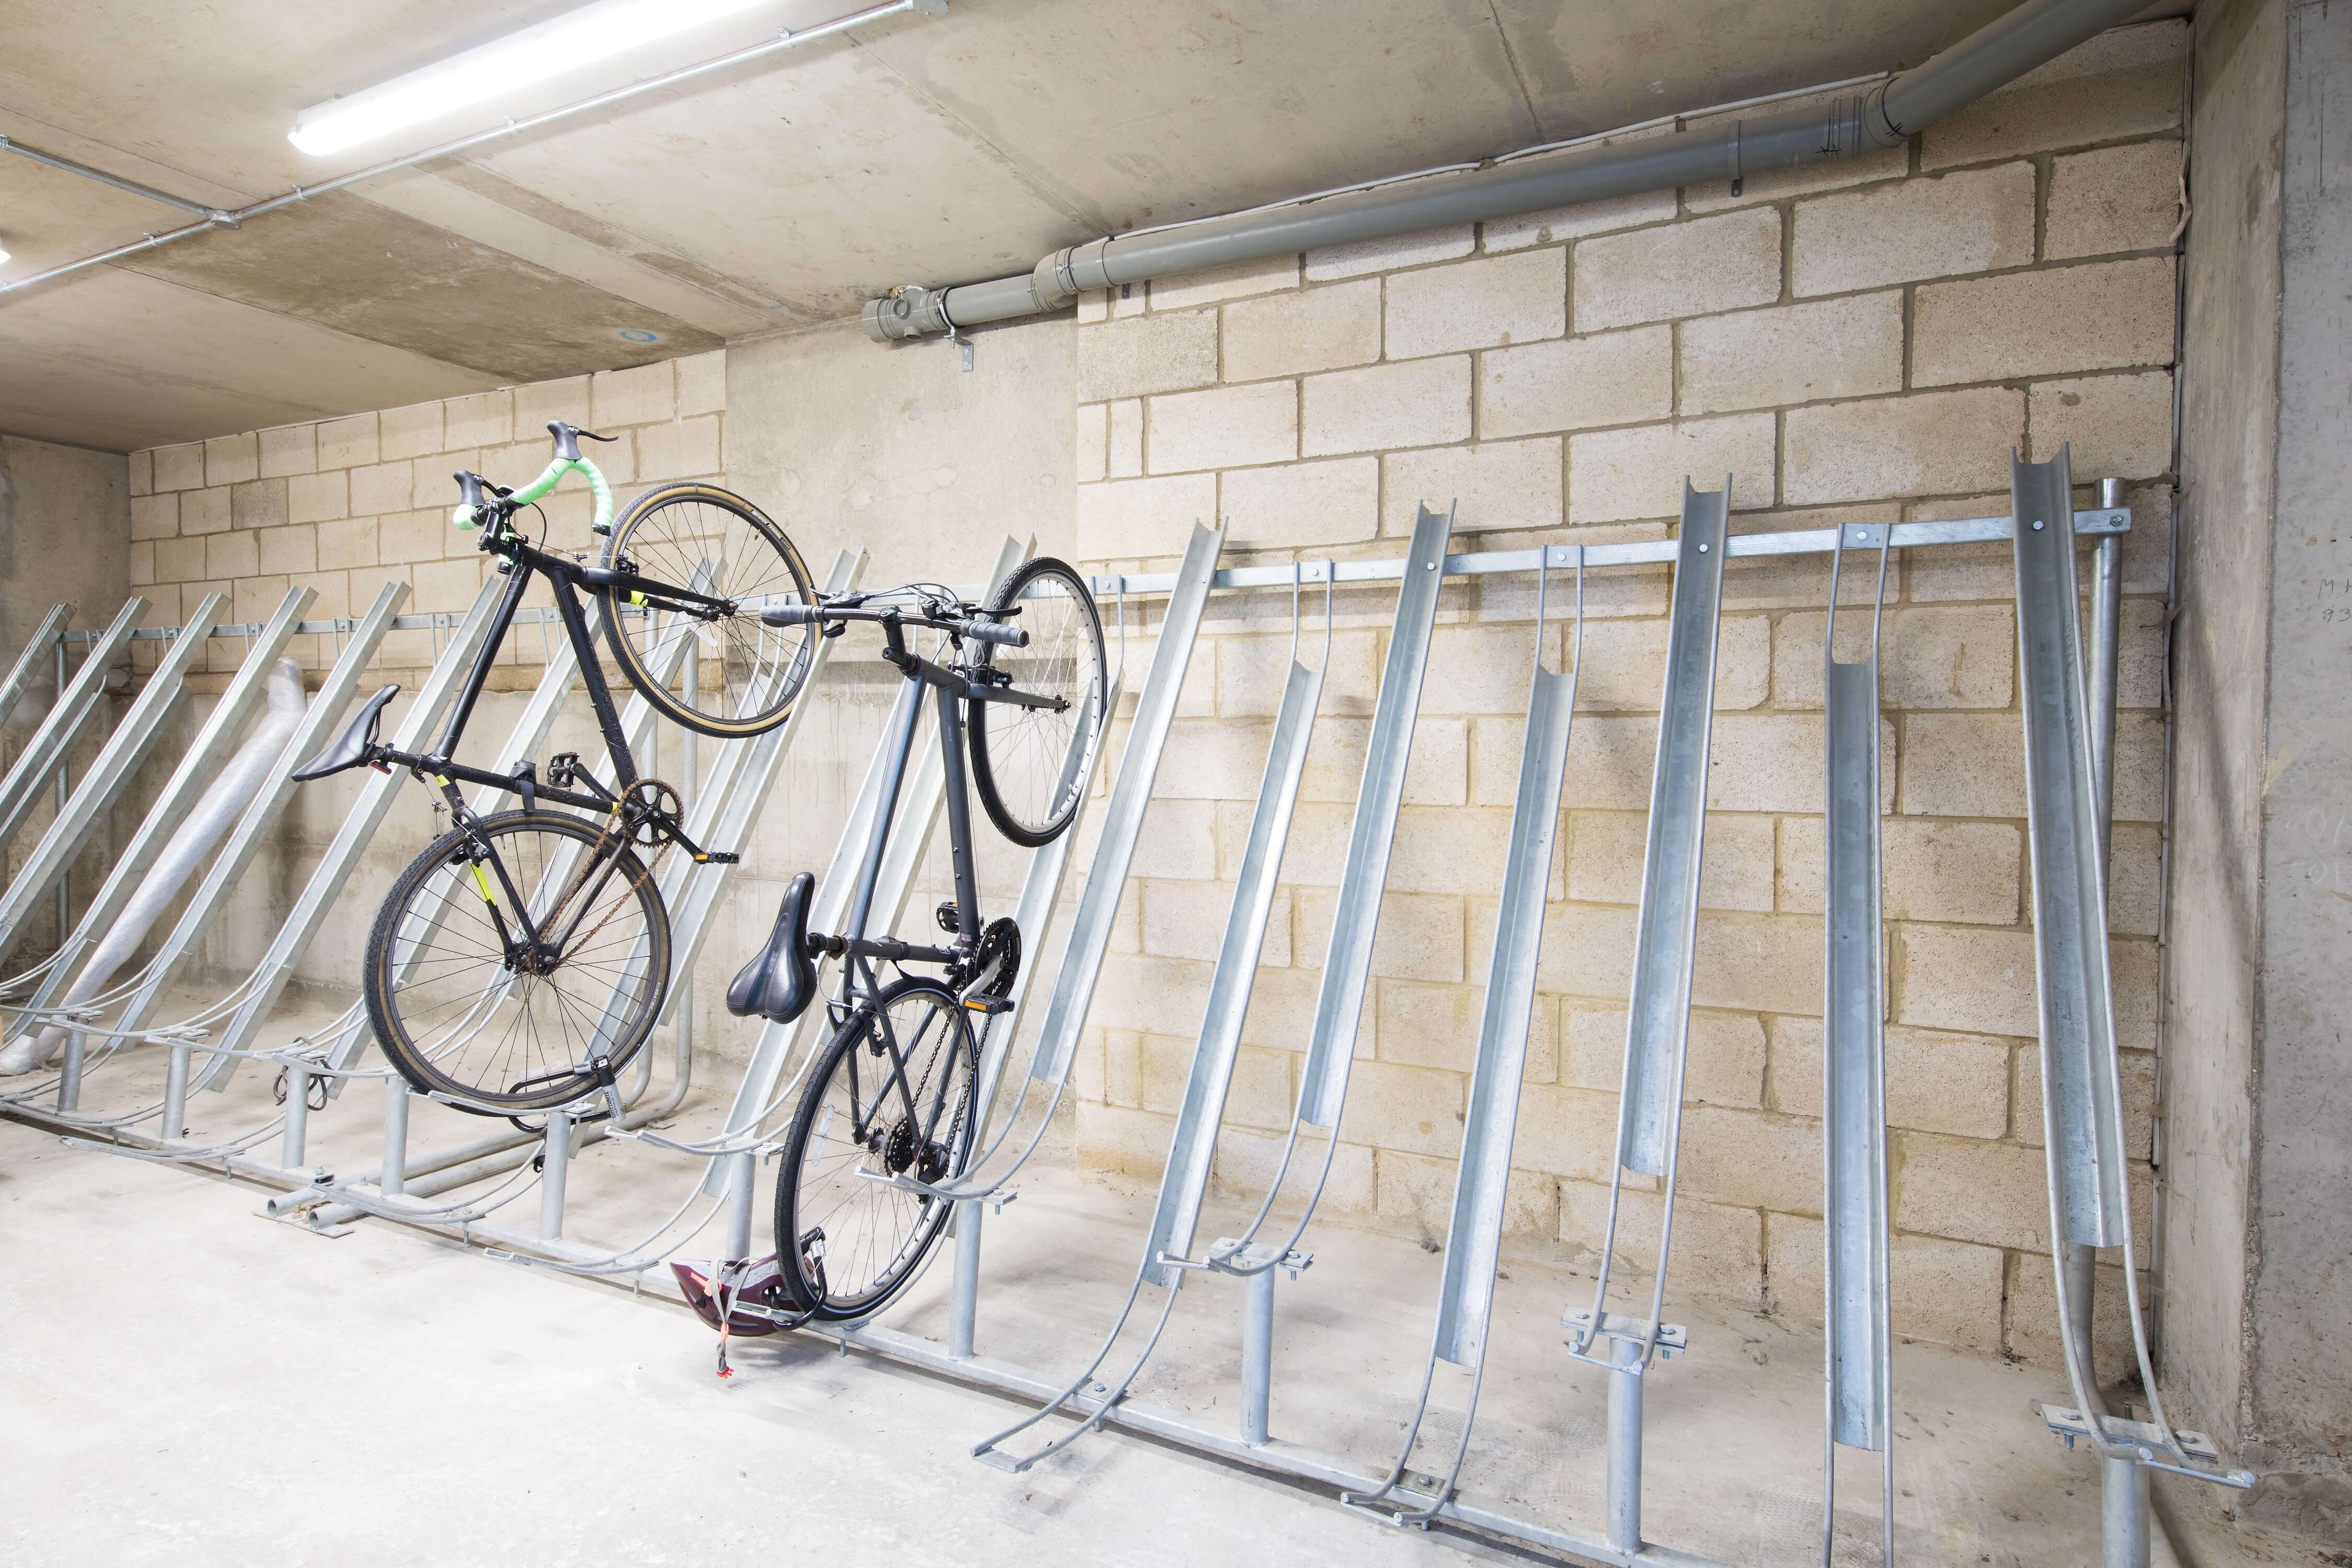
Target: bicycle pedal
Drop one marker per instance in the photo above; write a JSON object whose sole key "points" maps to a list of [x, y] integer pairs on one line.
{"points": [[718, 858], [991, 1005]]}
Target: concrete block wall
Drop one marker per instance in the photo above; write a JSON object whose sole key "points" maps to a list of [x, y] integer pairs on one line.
{"points": [[1863, 343]]}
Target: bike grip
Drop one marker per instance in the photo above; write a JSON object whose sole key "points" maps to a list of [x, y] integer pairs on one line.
{"points": [[988, 631], [789, 615], [467, 515]]}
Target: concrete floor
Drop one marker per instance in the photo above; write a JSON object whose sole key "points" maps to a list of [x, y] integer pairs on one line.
{"points": [[184, 1382]]}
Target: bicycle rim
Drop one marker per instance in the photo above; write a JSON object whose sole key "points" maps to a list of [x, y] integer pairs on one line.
{"points": [[460, 1015], [1026, 762], [745, 674], [861, 1240]]}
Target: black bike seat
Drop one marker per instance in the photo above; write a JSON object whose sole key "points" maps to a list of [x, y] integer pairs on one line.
{"points": [[351, 748], [780, 982]]}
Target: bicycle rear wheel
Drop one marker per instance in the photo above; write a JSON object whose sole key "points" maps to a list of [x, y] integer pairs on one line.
{"points": [[701, 538], [847, 1243], [462, 1009], [1026, 762]]}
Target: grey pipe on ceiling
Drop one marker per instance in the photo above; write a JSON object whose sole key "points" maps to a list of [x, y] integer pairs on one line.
{"points": [[1998, 53]]}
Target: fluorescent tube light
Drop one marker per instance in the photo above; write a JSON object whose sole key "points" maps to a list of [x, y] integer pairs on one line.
{"points": [[3, 253], [577, 39]]}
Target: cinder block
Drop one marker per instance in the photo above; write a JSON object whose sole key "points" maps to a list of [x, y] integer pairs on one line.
{"points": [[2134, 879], [1513, 485], [1609, 763], [1299, 505], [1420, 936], [288, 450], [1771, 963], [1227, 427], [1090, 449], [1179, 840], [289, 550], [1214, 760], [2114, 199], [1587, 951], [347, 543], [1477, 304], [1187, 919], [232, 554], [1966, 1189], [1613, 378], [1557, 226], [411, 432], [2096, 315], [1124, 519], [205, 511], [1957, 977], [1617, 475], [1765, 762], [1718, 1251], [182, 468], [1401, 250], [1606, 865], [1251, 670], [1120, 1141], [1416, 1195], [1247, 1163], [1429, 1025], [1480, 670], [701, 383], [1725, 1064], [141, 467], [2136, 1069], [179, 560], [1422, 403], [1751, 1159], [1963, 764], [405, 537], [1796, 582], [2123, 82], [542, 401], [257, 503], [681, 449], [1319, 329], [155, 516], [1689, 269], [1792, 353], [2119, 426], [1964, 872], [231, 459], [1569, 1132], [1943, 657], [1434, 776], [255, 598], [1623, 663], [1415, 1110], [1900, 232], [142, 566], [2033, 1334], [346, 443], [635, 396], [1937, 1082], [1947, 1292], [1139, 355], [1237, 280], [382, 487], [1919, 444], [1126, 449], [1147, 994]]}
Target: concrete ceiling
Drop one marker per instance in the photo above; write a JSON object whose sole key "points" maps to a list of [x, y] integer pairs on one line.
{"points": [[779, 194]]}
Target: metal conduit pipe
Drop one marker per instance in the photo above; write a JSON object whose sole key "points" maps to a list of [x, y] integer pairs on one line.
{"points": [[2004, 49]]}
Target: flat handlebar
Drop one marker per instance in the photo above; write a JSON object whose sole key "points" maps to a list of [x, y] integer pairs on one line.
{"points": [[976, 629]]}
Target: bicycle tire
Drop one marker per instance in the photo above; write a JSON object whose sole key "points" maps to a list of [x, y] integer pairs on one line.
{"points": [[429, 969], [860, 1270], [669, 533], [1021, 756]]}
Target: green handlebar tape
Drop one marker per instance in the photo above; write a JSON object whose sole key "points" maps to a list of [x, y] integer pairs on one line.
{"points": [[554, 474]]}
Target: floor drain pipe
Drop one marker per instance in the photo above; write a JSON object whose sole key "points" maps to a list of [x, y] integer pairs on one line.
{"points": [[1999, 52]]}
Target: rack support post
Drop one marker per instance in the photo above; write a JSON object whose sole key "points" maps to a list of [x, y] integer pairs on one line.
{"points": [[1625, 1447], [175, 1094], [1257, 1356], [740, 1195], [555, 1166], [963, 1292], [298, 1115], [395, 1179], [69, 1074]]}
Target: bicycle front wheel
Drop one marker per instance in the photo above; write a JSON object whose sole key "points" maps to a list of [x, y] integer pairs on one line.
{"points": [[892, 1095], [465, 1006], [1026, 762], [721, 673]]}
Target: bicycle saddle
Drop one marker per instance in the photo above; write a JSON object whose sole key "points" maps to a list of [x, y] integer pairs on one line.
{"points": [[780, 981], [351, 748]]}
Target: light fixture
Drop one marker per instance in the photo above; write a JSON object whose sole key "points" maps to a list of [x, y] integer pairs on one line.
{"points": [[4, 252], [498, 70]]}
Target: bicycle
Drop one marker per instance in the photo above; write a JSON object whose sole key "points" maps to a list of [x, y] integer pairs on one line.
{"points": [[887, 1110], [523, 957]]}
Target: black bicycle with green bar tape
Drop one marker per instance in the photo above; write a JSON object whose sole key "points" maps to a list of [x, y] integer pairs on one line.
{"points": [[523, 959]]}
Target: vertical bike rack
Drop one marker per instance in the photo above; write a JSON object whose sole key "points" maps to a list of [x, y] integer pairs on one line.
{"points": [[1857, 1373], [117, 761], [245, 840], [77, 699], [46, 637], [2082, 1093], [179, 795], [1482, 1178], [1658, 1023]]}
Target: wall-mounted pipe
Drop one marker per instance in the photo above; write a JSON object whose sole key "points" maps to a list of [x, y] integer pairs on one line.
{"points": [[2004, 49]]}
